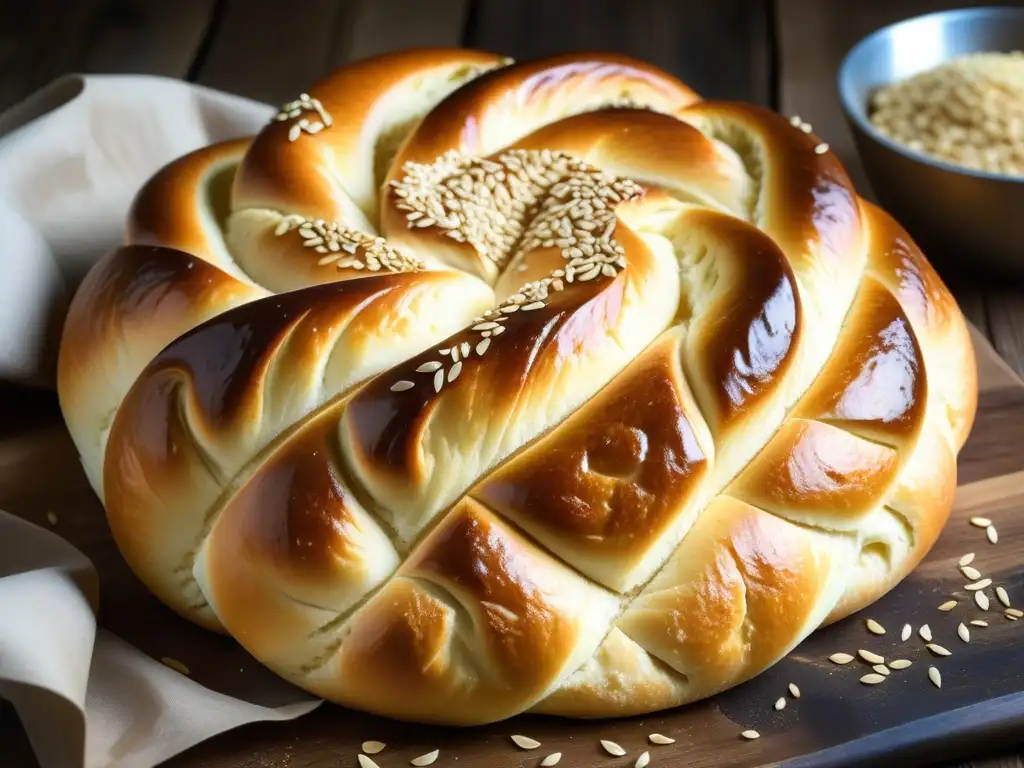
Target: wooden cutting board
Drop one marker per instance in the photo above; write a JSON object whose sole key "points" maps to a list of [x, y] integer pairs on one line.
{"points": [[836, 720]]}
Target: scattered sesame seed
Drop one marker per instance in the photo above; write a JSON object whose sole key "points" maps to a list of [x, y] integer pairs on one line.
{"points": [[873, 679], [643, 760], [780, 703], [454, 371], [1002, 596], [967, 559], [938, 650], [979, 623], [750, 735], [874, 627], [964, 632], [430, 367], [949, 605], [794, 691], [971, 573], [612, 748], [795, 120], [401, 386], [992, 534], [51, 518], [935, 676], [366, 762], [907, 632], [439, 380], [821, 149], [551, 759], [980, 522], [657, 738], [426, 759], [525, 742], [174, 664], [981, 599], [871, 658], [1016, 613], [840, 658], [900, 664], [925, 632], [978, 585], [881, 669], [373, 747]]}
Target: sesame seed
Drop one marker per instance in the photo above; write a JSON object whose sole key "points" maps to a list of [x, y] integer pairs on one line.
{"points": [[978, 585], [907, 632], [750, 735], [925, 632], [612, 748], [871, 658], [873, 679], [1002, 596], [938, 650], [366, 762], [794, 690], [967, 559], [981, 599], [525, 742], [992, 534], [899, 664], [1016, 613], [780, 703], [840, 658], [657, 738], [795, 120], [426, 759], [971, 573], [980, 522], [439, 380], [551, 759], [881, 669], [963, 632], [949, 605], [875, 628], [51, 518], [821, 149], [935, 676], [373, 747], [454, 372], [979, 623], [430, 367], [643, 760], [401, 386]]}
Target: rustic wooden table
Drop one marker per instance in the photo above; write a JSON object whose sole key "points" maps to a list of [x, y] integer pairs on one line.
{"points": [[782, 53]]}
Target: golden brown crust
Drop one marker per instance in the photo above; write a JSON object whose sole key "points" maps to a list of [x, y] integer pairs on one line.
{"points": [[637, 392]]}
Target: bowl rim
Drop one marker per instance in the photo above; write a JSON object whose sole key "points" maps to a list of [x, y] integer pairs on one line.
{"points": [[858, 115]]}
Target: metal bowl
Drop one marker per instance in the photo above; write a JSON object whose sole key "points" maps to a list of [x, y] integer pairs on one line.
{"points": [[953, 212]]}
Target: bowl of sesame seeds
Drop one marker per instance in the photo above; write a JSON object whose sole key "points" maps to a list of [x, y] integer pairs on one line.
{"points": [[936, 107]]}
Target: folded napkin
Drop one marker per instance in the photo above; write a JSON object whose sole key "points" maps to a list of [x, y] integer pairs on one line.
{"points": [[71, 158]]}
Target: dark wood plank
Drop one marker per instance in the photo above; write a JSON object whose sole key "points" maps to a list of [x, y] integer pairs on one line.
{"points": [[270, 50], [720, 49], [45, 39]]}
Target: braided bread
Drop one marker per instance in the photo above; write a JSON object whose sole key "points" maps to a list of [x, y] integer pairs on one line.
{"points": [[467, 388]]}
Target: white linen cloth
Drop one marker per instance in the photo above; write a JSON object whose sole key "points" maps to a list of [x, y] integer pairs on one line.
{"points": [[72, 157]]}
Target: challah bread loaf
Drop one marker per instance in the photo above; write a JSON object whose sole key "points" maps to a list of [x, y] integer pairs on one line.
{"points": [[469, 388]]}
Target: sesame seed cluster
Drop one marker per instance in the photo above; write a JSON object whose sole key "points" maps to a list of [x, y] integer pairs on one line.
{"points": [[348, 248], [522, 201], [529, 198], [969, 112]]}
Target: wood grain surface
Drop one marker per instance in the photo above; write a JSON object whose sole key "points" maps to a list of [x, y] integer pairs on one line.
{"points": [[782, 54]]}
